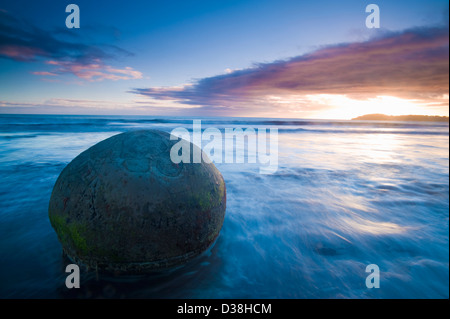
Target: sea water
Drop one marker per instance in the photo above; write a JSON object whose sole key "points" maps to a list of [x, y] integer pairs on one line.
{"points": [[346, 194]]}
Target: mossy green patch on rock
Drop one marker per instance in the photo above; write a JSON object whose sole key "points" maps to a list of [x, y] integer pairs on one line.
{"points": [[70, 234]]}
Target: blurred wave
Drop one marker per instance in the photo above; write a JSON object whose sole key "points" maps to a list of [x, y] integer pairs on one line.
{"points": [[346, 194]]}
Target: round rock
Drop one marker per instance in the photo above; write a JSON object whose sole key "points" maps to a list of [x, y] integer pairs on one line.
{"points": [[124, 206]]}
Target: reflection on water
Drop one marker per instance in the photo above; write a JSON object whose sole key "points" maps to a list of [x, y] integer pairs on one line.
{"points": [[346, 194]]}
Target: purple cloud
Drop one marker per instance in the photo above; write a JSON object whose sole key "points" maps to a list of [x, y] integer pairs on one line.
{"points": [[411, 64]]}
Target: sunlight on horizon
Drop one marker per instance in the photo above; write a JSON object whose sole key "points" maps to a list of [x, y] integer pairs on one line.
{"points": [[343, 107]]}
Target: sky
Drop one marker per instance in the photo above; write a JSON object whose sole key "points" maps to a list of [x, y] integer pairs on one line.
{"points": [[285, 59]]}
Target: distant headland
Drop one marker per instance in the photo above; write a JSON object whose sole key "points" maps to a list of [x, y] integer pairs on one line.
{"points": [[413, 118]]}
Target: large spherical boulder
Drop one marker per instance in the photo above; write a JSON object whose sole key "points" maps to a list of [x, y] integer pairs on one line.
{"points": [[124, 206]]}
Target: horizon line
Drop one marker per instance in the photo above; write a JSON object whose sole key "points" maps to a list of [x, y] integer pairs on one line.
{"points": [[250, 117]]}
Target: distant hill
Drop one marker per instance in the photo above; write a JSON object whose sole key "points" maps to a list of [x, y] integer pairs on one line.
{"points": [[413, 118]]}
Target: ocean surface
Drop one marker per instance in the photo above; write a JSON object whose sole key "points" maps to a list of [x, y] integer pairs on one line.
{"points": [[346, 194]]}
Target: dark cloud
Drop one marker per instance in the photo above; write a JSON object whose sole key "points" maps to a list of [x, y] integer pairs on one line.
{"points": [[22, 41], [409, 64]]}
